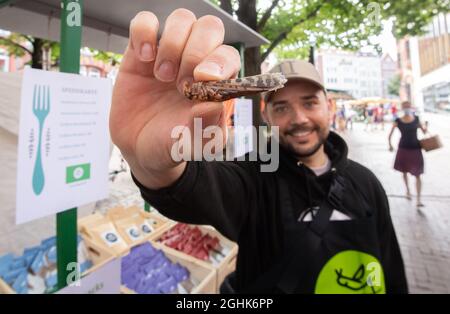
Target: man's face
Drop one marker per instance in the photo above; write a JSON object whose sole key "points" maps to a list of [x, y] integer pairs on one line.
{"points": [[301, 111]]}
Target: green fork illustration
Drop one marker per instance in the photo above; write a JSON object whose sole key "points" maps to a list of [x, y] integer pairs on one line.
{"points": [[41, 108]]}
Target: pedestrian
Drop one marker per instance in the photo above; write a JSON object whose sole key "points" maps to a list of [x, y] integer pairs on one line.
{"points": [[350, 114], [363, 114], [341, 119], [380, 116], [319, 223], [370, 117], [394, 111], [409, 157]]}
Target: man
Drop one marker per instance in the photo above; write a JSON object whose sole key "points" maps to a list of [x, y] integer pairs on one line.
{"points": [[319, 224]]}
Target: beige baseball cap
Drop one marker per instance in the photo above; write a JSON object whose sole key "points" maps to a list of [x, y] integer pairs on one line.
{"points": [[296, 69]]}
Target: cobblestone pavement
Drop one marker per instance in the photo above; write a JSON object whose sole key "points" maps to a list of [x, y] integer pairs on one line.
{"points": [[424, 235]]}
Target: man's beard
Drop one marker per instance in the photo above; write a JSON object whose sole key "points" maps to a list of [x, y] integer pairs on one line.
{"points": [[322, 137]]}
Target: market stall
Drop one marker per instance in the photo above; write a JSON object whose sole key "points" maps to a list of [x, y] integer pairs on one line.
{"points": [[97, 24]]}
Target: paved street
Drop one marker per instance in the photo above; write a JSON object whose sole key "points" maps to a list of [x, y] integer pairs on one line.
{"points": [[424, 235]]}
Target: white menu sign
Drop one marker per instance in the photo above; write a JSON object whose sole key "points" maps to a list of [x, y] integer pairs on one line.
{"points": [[63, 150]]}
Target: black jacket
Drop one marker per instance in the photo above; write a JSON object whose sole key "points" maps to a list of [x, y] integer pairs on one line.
{"points": [[244, 205]]}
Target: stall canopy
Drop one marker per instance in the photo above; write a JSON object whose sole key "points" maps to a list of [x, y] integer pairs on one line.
{"points": [[106, 22]]}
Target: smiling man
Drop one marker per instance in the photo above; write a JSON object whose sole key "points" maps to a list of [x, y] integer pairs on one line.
{"points": [[320, 223]]}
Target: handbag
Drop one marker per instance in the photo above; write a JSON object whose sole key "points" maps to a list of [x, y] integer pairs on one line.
{"points": [[431, 143]]}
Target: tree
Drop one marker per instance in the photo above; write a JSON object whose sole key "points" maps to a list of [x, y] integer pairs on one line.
{"points": [[394, 86], [45, 53], [294, 26], [106, 57], [40, 50]]}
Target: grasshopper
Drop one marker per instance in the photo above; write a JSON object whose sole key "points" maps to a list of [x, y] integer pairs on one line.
{"points": [[232, 88]]}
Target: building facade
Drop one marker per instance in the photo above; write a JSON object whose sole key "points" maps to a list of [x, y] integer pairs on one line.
{"points": [[358, 74], [389, 72], [428, 58]]}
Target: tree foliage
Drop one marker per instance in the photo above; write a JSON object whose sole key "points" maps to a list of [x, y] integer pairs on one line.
{"points": [[293, 26], [394, 86], [20, 45]]}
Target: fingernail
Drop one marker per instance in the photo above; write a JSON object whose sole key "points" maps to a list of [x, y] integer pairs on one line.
{"points": [[147, 53], [210, 68], [166, 71]]}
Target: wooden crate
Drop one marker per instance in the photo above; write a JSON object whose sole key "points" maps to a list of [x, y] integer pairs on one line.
{"points": [[97, 254], [84, 228], [115, 212], [100, 252], [225, 267], [160, 222], [154, 236], [114, 216], [203, 275]]}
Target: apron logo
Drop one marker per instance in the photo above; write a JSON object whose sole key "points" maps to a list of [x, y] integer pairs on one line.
{"points": [[351, 272]]}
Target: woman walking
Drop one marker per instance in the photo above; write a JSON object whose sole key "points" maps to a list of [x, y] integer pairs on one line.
{"points": [[409, 158]]}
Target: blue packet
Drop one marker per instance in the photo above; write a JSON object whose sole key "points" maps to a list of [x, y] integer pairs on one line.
{"points": [[51, 280], [10, 276], [24, 290], [18, 262], [33, 250], [38, 263], [127, 260], [5, 263], [168, 285], [179, 272], [132, 281], [48, 243], [20, 282], [141, 260], [130, 270], [148, 268], [51, 255], [145, 250], [159, 260], [143, 283], [85, 266], [152, 290], [30, 254]]}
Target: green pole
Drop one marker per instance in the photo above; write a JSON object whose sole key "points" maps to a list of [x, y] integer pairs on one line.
{"points": [[66, 222], [4, 3]]}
